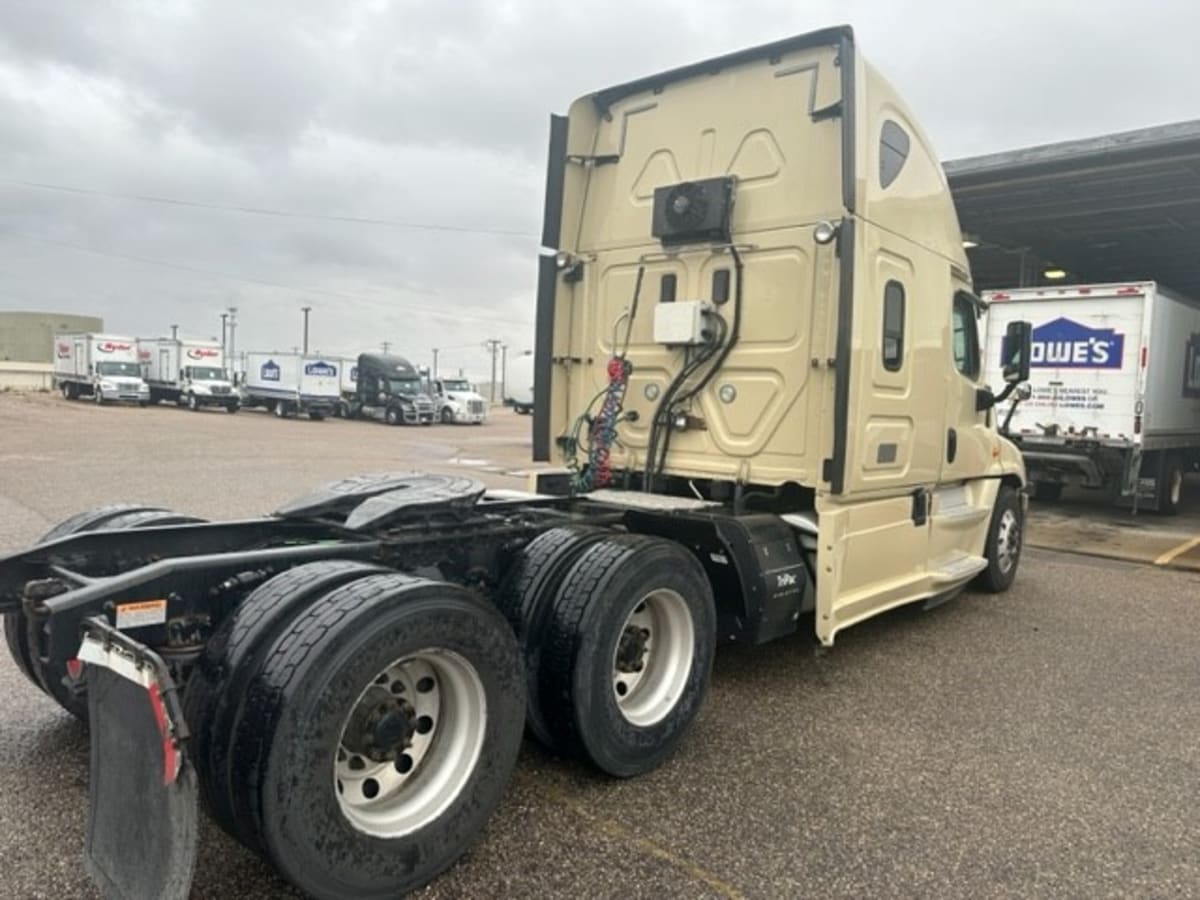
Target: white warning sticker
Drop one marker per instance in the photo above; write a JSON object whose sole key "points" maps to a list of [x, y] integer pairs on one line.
{"points": [[141, 613]]}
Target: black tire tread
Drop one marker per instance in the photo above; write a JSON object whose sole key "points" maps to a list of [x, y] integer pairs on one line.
{"points": [[582, 584], [526, 599], [232, 659], [991, 579], [18, 646], [251, 740]]}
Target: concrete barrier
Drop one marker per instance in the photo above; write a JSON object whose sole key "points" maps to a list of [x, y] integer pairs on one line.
{"points": [[26, 376]]}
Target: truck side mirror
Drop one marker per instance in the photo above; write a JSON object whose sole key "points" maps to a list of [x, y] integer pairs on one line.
{"points": [[1018, 342]]}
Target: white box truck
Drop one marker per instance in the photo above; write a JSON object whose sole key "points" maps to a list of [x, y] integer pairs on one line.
{"points": [[101, 366], [1115, 379], [518, 384], [187, 372], [291, 383]]}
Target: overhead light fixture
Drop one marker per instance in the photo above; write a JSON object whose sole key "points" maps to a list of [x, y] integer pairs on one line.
{"points": [[1054, 274]]}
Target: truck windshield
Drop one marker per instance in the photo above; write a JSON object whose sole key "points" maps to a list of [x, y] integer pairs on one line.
{"points": [[408, 386], [206, 373], [118, 368], [456, 385]]}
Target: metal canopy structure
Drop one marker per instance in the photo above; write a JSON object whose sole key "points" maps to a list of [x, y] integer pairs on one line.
{"points": [[1123, 207]]}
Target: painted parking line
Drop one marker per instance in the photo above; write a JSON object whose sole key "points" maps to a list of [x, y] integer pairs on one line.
{"points": [[1167, 558]]}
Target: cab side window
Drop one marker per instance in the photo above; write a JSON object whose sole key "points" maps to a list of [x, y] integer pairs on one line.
{"points": [[965, 336], [893, 326]]}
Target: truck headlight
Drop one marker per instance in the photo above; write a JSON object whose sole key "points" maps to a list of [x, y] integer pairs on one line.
{"points": [[106, 385]]}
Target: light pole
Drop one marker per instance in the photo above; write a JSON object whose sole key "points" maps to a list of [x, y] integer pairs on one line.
{"points": [[386, 345], [493, 344], [306, 310], [224, 316], [232, 331], [503, 369], [174, 332]]}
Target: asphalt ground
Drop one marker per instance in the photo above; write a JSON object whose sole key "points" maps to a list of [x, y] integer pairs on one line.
{"points": [[1041, 743]]}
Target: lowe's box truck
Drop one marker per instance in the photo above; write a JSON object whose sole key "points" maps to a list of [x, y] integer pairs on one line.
{"points": [[291, 383], [1115, 385]]}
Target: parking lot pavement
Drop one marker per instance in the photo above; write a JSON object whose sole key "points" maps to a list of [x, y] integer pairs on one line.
{"points": [[1040, 743], [1085, 522]]}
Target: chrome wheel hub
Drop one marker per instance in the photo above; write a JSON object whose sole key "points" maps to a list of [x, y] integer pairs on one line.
{"points": [[653, 657], [1008, 541], [410, 744]]}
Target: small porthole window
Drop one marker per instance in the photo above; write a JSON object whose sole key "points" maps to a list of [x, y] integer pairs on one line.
{"points": [[893, 151]]}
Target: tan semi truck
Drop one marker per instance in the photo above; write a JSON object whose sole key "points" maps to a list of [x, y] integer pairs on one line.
{"points": [[758, 354]]}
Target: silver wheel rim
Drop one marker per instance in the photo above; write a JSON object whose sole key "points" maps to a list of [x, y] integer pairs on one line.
{"points": [[391, 792], [1008, 541], [653, 658]]}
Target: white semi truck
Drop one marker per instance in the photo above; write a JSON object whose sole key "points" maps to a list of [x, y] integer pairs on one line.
{"points": [[757, 356], [291, 383], [457, 401], [187, 372], [101, 366], [518, 383], [1115, 380]]}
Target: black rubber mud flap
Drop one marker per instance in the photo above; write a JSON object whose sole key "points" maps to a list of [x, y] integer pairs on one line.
{"points": [[142, 807]]}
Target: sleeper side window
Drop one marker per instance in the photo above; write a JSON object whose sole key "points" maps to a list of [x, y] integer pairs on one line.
{"points": [[965, 335], [893, 151], [893, 326]]}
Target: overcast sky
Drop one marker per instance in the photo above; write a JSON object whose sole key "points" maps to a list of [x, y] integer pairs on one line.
{"points": [[435, 112]]}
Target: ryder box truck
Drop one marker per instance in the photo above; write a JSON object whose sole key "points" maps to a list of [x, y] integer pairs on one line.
{"points": [[1115, 380], [187, 372], [101, 366]]}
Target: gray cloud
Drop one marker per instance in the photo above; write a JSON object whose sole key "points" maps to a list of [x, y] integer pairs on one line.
{"points": [[437, 112]]}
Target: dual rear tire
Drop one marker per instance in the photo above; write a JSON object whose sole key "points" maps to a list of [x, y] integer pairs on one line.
{"points": [[357, 726], [618, 633]]}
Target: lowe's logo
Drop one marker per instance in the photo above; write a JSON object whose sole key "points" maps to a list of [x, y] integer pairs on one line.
{"points": [[1063, 344], [269, 371], [321, 369]]}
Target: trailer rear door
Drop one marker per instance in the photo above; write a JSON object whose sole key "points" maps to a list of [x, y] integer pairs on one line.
{"points": [[1088, 360]]}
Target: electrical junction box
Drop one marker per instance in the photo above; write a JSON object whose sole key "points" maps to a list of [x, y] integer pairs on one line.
{"points": [[681, 323]]}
